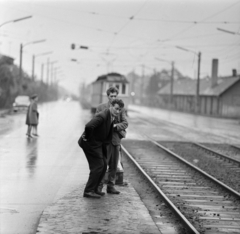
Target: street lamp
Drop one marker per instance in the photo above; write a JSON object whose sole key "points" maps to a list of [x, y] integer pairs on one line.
{"points": [[21, 52], [227, 31], [172, 77], [16, 20], [33, 62], [198, 73]]}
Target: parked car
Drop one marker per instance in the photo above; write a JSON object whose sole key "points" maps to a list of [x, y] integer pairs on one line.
{"points": [[21, 103]]}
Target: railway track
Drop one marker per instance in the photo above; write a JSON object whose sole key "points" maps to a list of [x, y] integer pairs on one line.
{"points": [[210, 158], [236, 146], [221, 156], [219, 160], [204, 204]]}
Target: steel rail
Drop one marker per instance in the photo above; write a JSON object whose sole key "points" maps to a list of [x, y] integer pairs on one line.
{"points": [[217, 153], [196, 168], [236, 146], [165, 121], [187, 224]]}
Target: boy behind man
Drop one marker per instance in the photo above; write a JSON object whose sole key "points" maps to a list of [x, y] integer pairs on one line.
{"points": [[120, 124]]}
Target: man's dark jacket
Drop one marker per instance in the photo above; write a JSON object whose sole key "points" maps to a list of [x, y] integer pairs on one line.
{"points": [[98, 131]]}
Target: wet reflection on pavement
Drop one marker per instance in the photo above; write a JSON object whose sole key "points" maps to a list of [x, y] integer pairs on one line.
{"points": [[33, 169], [32, 154]]}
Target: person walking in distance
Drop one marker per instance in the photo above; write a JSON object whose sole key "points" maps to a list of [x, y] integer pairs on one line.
{"points": [[32, 116], [113, 149], [97, 134]]}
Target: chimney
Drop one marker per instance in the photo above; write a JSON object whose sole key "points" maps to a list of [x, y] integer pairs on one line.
{"points": [[234, 72], [214, 72]]}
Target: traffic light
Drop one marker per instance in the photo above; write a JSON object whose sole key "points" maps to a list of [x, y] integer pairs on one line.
{"points": [[73, 46], [84, 47]]}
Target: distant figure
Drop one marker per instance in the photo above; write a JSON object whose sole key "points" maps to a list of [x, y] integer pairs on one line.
{"points": [[35, 126], [113, 149], [94, 140], [32, 117]]}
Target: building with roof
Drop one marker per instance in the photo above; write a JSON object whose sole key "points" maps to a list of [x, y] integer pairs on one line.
{"points": [[4, 59], [218, 96]]}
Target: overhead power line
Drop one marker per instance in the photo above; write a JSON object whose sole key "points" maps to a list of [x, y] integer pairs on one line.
{"points": [[131, 18], [93, 13], [204, 20]]}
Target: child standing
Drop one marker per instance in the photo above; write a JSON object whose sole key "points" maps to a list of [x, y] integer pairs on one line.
{"points": [[32, 116]]}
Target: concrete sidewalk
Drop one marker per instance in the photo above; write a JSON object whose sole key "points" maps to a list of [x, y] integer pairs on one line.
{"points": [[112, 214]]}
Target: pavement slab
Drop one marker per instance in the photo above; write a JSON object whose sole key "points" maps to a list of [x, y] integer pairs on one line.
{"points": [[123, 213]]}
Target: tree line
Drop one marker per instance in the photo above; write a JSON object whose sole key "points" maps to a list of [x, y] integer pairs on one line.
{"points": [[11, 85]]}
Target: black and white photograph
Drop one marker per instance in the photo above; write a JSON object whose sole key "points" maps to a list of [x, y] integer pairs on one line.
{"points": [[119, 116]]}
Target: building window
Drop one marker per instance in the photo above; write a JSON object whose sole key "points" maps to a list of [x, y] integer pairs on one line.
{"points": [[123, 88]]}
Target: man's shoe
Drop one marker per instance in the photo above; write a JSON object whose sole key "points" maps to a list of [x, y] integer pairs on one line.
{"points": [[91, 195], [123, 184], [99, 192], [112, 190]]}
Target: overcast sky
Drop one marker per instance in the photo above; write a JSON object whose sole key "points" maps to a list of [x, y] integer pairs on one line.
{"points": [[122, 35]]}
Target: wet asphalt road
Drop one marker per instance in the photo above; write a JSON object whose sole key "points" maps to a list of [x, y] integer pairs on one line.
{"points": [[189, 127], [33, 170]]}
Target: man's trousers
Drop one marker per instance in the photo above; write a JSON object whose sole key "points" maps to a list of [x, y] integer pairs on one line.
{"points": [[97, 165], [112, 162]]}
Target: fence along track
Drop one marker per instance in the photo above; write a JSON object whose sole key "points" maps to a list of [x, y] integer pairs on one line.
{"points": [[216, 212]]}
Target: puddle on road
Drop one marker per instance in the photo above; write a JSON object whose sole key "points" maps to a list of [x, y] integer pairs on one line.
{"points": [[8, 210]]}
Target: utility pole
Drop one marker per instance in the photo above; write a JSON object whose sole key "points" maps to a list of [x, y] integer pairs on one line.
{"points": [[52, 72], [133, 87], [42, 71], [47, 71], [198, 83], [33, 61], [33, 64], [21, 53], [197, 109], [55, 76], [20, 65], [171, 87], [21, 46], [142, 83]]}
